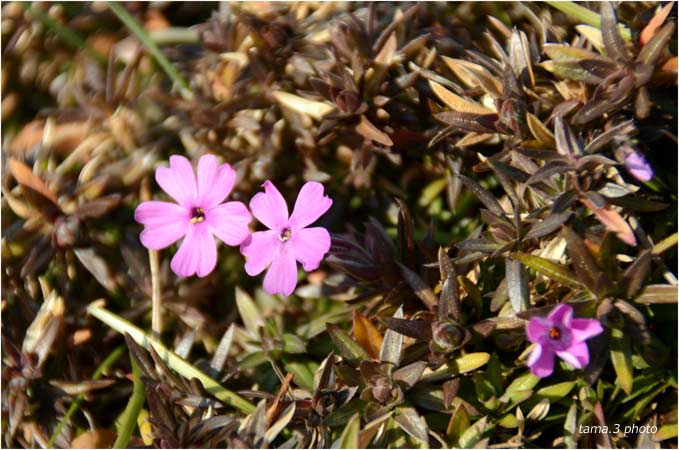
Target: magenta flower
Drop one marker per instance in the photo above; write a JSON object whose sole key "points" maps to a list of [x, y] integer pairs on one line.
{"points": [[559, 333], [287, 240], [198, 216], [637, 165]]}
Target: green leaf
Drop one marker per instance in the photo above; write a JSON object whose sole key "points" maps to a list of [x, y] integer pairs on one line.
{"points": [[550, 269], [667, 243], [525, 382], [431, 191], [556, 391], [570, 424], [459, 422], [621, 356], [474, 433], [666, 432], [293, 343], [317, 325], [152, 48], [344, 413], [253, 360], [586, 16], [494, 372], [509, 420], [346, 346], [181, 366], [303, 375], [249, 313], [127, 421], [349, 437], [462, 364], [517, 285], [470, 361]]}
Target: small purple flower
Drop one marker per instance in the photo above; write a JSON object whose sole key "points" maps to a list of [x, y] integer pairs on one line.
{"points": [[637, 165], [198, 216], [559, 333], [287, 240]]}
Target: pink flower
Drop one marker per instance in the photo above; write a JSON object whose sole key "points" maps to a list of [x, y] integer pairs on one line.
{"points": [[559, 333], [637, 165], [198, 215], [287, 240]]}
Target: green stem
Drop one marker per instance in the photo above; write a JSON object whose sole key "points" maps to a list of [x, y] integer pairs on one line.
{"points": [[152, 48], [103, 367], [178, 364], [586, 16], [128, 419]]}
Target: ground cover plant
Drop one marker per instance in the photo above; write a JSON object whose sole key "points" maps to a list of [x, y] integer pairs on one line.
{"points": [[347, 225]]}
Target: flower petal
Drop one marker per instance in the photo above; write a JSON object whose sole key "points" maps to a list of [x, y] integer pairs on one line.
{"points": [[583, 329], [310, 245], [165, 223], [309, 206], [178, 181], [541, 362], [214, 181], [269, 207], [577, 355], [154, 213], [197, 253], [260, 248], [536, 329], [281, 278], [229, 222], [637, 165], [562, 313]]}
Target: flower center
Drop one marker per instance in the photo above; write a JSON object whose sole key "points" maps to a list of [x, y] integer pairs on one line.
{"points": [[554, 333], [197, 215], [285, 235]]}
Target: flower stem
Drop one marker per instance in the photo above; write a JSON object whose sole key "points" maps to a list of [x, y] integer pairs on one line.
{"points": [[156, 316], [154, 264]]}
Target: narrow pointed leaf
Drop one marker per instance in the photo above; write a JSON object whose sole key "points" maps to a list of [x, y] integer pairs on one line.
{"points": [[367, 335], [652, 51], [413, 424], [346, 346], [457, 103], [349, 437], [392, 343], [621, 356], [550, 224], [615, 47], [483, 195], [657, 294], [419, 287], [517, 285], [550, 269]]}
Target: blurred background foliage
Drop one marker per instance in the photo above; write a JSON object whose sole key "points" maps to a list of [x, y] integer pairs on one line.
{"points": [[477, 155]]}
